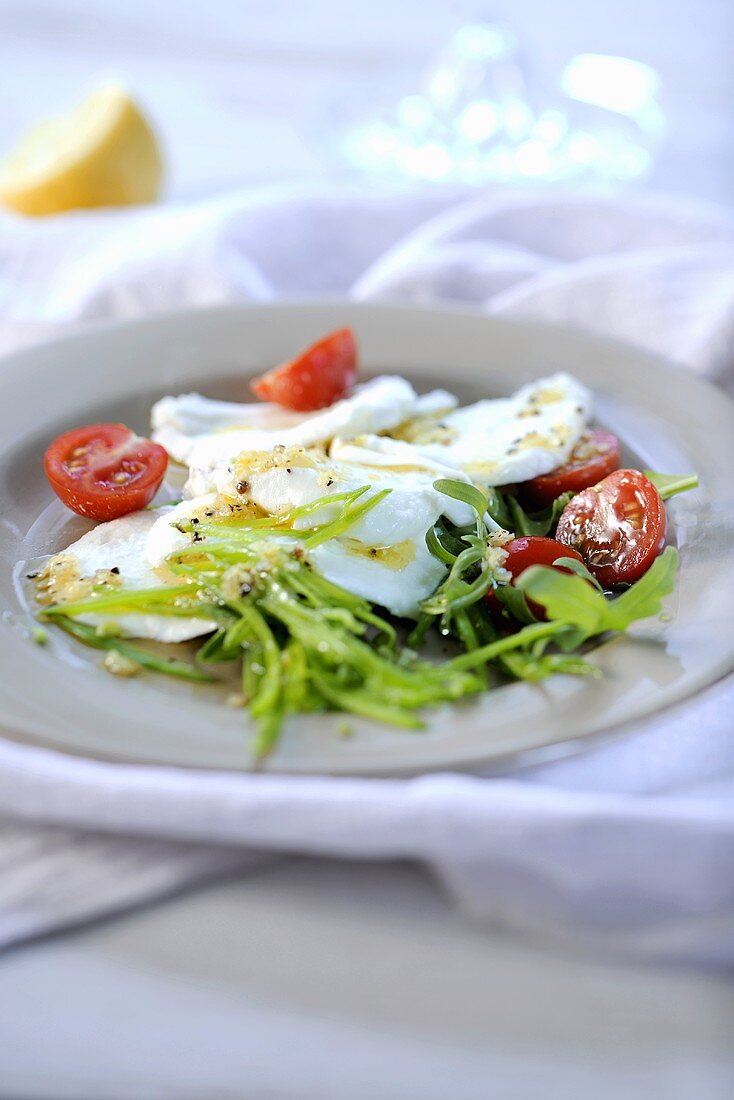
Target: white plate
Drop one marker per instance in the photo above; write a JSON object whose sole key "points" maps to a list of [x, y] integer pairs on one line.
{"points": [[667, 419]]}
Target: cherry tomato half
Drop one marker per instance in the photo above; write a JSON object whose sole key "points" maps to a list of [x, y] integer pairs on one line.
{"points": [[104, 471], [317, 377], [618, 526], [593, 457], [524, 552]]}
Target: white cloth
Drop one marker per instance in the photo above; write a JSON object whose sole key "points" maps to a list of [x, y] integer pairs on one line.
{"points": [[628, 846]]}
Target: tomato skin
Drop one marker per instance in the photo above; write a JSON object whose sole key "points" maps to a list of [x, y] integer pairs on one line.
{"points": [[104, 471], [319, 376], [592, 460], [618, 526], [530, 550]]}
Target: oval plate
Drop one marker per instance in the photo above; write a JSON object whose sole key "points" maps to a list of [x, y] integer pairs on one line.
{"points": [[667, 419]]}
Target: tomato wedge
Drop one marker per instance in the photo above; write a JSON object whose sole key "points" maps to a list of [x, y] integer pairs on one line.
{"points": [[618, 527], [104, 471], [317, 377], [526, 551], [593, 457]]}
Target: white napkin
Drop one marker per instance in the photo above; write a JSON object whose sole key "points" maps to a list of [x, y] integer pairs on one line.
{"points": [[629, 846]]}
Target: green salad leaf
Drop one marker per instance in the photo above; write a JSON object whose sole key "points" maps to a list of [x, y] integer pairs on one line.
{"points": [[543, 522], [462, 490], [467, 554], [169, 666], [668, 485], [571, 600], [475, 567], [578, 567], [515, 602]]}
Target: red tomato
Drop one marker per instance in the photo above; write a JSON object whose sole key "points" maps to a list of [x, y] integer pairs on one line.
{"points": [[618, 526], [526, 551], [593, 457], [104, 470], [317, 377]]}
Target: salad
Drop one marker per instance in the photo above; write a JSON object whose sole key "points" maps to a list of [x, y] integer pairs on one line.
{"points": [[330, 531]]}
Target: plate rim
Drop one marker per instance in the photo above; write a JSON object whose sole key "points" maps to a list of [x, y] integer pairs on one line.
{"points": [[89, 329]]}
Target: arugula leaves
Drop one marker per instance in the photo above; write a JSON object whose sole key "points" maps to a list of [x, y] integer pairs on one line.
{"points": [[462, 490], [536, 523], [573, 601], [180, 670], [668, 485], [505, 509], [577, 611], [585, 612], [470, 574]]}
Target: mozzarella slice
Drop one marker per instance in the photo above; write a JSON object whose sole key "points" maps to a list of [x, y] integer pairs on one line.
{"points": [[204, 434], [434, 402], [397, 579], [383, 453], [279, 488], [163, 537], [382, 557], [493, 442], [178, 422], [122, 544]]}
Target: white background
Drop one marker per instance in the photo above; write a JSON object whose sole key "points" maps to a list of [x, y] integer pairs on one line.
{"points": [[254, 90], [321, 979]]}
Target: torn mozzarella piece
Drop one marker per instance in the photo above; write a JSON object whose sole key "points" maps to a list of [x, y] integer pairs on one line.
{"points": [[383, 556], [164, 538], [494, 442], [383, 453], [433, 403], [398, 578], [123, 545], [185, 428], [280, 488], [178, 422], [200, 435]]}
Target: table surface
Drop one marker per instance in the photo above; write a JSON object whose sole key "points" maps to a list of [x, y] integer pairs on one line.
{"points": [[314, 979]]}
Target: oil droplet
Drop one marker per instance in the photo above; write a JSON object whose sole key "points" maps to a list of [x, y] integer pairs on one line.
{"points": [[392, 557]]}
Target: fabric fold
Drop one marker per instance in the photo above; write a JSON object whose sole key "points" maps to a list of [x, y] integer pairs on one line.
{"points": [[627, 846]]}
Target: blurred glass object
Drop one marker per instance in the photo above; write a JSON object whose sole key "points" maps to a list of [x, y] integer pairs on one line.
{"points": [[615, 83], [474, 120]]}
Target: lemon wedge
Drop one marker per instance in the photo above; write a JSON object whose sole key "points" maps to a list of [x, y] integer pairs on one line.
{"points": [[104, 153]]}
